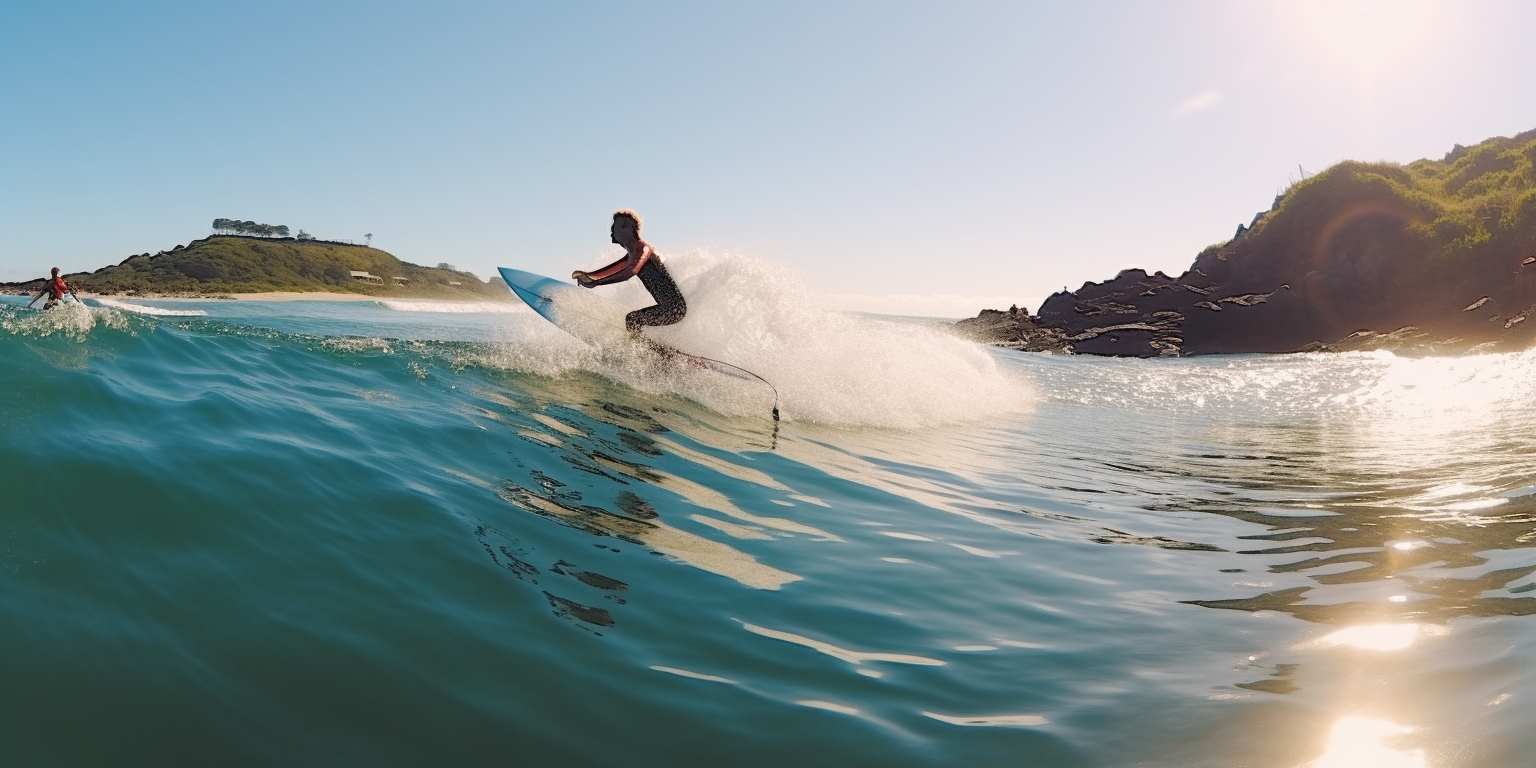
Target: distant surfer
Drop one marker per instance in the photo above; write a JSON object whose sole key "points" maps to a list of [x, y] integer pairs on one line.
{"points": [[639, 259], [55, 289]]}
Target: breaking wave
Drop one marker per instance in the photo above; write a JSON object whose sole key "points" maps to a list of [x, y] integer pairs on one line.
{"points": [[453, 307], [829, 367], [144, 309]]}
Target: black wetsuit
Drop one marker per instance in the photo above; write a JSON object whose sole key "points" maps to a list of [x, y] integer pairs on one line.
{"points": [[669, 307]]}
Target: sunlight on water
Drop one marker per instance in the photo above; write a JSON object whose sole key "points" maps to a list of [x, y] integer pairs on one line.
{"points": [[1181, 560], [856, 658], [1360, 742], [693, 675], [702, 553], [1375, 637], [989, 720], [829, 706]]}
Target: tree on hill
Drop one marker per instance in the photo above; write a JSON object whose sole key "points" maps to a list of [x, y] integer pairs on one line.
{"points": [[238, 227]]}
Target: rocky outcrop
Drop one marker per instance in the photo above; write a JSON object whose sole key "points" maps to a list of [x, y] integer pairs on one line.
{"points": [[1014, 329], [1437, 257], [1133, 315]]}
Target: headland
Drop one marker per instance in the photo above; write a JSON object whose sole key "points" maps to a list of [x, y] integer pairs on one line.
{"points": [[1432, 257], [275, 268]]}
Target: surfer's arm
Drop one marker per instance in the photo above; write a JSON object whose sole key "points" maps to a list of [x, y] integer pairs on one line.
{"points": [[619, 271]]}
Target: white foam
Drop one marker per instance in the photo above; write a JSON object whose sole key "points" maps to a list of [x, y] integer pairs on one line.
{"points": [[70, 319], [454, 307], [829, 367], [140, 309]]}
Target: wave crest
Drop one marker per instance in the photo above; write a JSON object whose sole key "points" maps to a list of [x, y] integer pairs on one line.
{"points": [[453, 307], [142, 309], [829, 367]]}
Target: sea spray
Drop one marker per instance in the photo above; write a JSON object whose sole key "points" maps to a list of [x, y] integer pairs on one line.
{"points": [[68, 319], [829, 367]]}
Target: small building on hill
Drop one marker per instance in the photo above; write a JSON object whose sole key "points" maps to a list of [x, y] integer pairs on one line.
{"points": [[401, 280], [366, 277]]}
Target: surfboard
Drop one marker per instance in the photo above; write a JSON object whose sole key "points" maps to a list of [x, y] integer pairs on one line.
{"points": [[590, 317], [576, 310], [537, 291]]}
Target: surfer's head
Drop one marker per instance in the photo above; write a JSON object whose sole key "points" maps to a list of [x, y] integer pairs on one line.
{"points": [[626, 227], [55, 272]]}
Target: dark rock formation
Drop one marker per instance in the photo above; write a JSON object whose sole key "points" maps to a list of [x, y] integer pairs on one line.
{"points": [[1437, 257], [1013, 329]]}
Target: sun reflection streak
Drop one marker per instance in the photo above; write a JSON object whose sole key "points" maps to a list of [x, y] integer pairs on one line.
{"points": [[1356, 742], [1382, 638]]}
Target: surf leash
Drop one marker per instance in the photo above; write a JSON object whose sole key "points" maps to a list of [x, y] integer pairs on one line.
{"points": [[765, 382], [740, 373]]}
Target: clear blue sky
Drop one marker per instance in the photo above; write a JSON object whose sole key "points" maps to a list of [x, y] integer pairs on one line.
{"points": [[979, 150]]}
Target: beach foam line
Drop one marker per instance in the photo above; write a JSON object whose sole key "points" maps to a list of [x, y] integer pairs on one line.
{"points": [[453, 307], [140, 309]]}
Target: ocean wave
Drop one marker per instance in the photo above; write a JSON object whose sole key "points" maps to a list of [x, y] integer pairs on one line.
{"points": [[142, 309], [829, 367], [453, 307], [233, 465]]}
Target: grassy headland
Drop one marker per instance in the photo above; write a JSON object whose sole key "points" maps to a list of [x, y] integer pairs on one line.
{"points": [[232, 264], [1432, 256]]}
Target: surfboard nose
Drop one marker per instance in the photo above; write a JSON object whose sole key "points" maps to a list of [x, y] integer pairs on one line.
{"points": [[518, 276]]}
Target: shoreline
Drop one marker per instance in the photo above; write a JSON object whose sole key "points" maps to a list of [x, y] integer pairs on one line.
{"points": [[284, 296], [302, 296]]}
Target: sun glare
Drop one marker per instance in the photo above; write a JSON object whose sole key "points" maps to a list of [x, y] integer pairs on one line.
{"points": [[1369, 37], [1381, 638], [1361, 741]]}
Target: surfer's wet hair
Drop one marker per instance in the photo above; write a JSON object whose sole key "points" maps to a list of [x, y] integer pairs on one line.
{"points": [[627, 215]]}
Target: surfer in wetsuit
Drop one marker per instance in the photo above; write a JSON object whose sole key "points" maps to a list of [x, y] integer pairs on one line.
{"points": [[639, 259], [54, 289]]}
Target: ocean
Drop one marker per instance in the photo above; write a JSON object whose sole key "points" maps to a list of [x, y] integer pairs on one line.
{"points": [[411, 533]]}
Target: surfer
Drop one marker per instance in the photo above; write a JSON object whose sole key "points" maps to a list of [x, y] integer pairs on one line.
{"points": [[54, 289], [639, 259]]}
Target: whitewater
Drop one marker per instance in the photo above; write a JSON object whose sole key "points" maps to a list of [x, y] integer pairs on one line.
{"points": [[405, 533]]}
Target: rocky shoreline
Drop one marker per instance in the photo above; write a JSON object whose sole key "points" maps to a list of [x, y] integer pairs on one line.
{"points": [[1436, 257], [1136, 315]]}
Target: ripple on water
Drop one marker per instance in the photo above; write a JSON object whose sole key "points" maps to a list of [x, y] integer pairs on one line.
{"points": [[856, 658], [1198, 562], [990, 721]]}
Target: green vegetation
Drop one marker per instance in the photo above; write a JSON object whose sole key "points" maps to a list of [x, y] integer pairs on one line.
{"points": [[238, 227], [237, 264], [1426, 220]]}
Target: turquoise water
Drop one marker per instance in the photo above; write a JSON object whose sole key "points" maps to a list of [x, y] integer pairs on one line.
{"points": [[350, 534]]}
